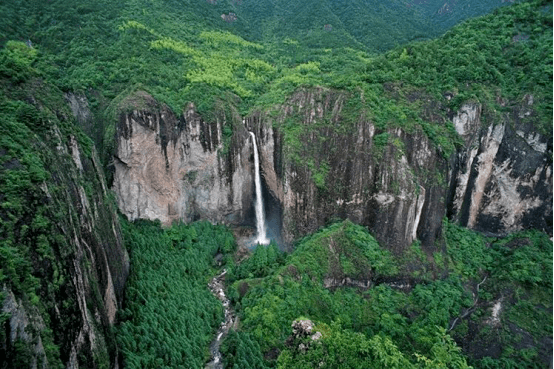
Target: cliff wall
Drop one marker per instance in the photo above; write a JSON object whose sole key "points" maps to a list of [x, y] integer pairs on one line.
{"points": [[502, 178], [171, 168], [320, 162], [63, 261], [383, 184]]}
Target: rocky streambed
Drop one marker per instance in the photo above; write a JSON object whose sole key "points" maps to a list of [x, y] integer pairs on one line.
{"points": [[216, 285]]}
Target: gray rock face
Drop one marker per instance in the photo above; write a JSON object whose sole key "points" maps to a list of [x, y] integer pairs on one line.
{"points": [[79, 107], [302, 328], [171, 168], [22, 322], [500, 181], [384, 188], [98, 264]]}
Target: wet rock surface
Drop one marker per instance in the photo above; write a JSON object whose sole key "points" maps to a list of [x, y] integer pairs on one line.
{"points": [[217, 287]]}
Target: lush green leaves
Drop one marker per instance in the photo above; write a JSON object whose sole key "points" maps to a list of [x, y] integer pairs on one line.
{"points": [[170, 315], [16, 59], [384, 325], [263, 260], [240, 351]]}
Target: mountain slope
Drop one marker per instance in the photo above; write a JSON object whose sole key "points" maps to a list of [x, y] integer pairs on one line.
{"points": [[63, 264]]}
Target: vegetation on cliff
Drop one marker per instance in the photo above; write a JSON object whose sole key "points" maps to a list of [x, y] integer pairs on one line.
{"points": [[57, 228], [194, 55]]}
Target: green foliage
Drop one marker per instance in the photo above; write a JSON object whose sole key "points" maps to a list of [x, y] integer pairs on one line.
{"points": [[26, 227], [526, 263], [171, 44], [296, 288], [386, 312], [531, 318], [380, 260], [184, 51], [21, 355], [444, 353], [517, 268], [480, 55], [383, 325], [170, 315], [240, 351], [381, 139], [340, 348], [15, 61], [319, 254], [392, 335], [42, 200], [319, 175], [468, 251], [262, 262], [433, 305], [529, 264]]}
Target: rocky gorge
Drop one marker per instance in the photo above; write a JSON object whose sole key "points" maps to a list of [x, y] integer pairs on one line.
{"points": [[404, 165]]}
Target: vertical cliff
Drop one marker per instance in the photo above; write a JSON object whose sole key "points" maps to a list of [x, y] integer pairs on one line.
{"points": [[323, 163], [63, 263], [322, 158], [502, 179], [343, 166], [170, 167]]}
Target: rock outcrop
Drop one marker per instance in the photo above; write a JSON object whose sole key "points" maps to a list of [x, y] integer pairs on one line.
{"points": [[502, 179], [301, 329], [172, 168]]}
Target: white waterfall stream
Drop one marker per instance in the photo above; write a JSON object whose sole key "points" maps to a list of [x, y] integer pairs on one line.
{"points": [[217, 285], [261, 237]]}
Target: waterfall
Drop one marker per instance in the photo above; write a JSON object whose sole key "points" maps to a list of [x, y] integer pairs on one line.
{"points": [[260, 217]]}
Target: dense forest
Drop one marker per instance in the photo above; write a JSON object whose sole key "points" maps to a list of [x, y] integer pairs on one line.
{"points": [[170, 315], [369, 307], [412, 321]]}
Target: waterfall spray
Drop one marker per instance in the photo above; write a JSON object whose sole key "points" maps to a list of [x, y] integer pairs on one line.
{"points": [[260, 217]]}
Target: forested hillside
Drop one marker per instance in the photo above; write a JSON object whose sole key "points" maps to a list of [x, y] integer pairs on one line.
{"points": [[374, 310], [110, 47], [63, 265], [406, 157], [185, 51], [170, 316]]}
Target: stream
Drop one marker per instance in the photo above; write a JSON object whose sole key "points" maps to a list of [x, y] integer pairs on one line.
{"points": [[217, 287], [216, 284]]}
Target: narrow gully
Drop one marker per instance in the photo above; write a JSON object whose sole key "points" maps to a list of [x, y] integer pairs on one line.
{"points": [[216, 285]]}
